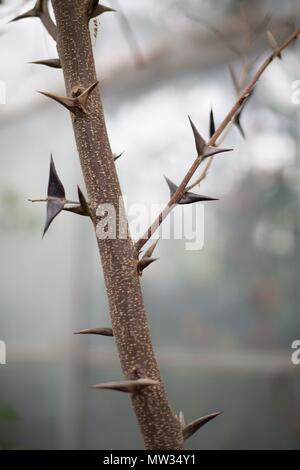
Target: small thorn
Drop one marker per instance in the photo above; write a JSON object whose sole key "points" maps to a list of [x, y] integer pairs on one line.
{"points": [[53, 63], [127, 386], [82, 99], [116, 157], [56, 196], [273, 44], [194, 426], [237, 122], [199, 141], [188, 197], [144, 263], [96, 331], [96, 9], [212, 127]]}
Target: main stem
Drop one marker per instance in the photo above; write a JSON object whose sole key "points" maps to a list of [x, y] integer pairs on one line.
{"points": [[159, 425]]}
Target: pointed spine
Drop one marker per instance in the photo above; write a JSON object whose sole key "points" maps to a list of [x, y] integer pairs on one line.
{"points": [[194, 426]]}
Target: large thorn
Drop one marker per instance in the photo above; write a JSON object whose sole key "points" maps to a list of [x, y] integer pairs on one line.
{"points": [[96, 9], [96, 331], [150, 250], [77, 101], [65, 101], [56, 196], [188, 197], [199, 141], [144, 263], [194, 426], [33, 13], [204, 150], [53, 63], [127, 386], [273, 44], [212, 127]]}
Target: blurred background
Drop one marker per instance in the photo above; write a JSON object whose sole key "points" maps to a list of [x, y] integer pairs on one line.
{"points": [[222, 318]]}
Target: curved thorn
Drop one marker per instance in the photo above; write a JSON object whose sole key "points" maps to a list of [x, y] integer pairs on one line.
{"points": [[144, 263], [194, 426], [96, 331]]}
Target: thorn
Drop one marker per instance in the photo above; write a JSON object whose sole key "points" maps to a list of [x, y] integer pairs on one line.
{"points": [[56, 196], [53, 63], [203, 149], [96, 331], [82, 99], [212, 127], [33, 13], [210, 151], [116, 157], [144, 263], [96, 9], [273, 44], [150, 250], [237, 122], [199, 141], [83, 202], [188, 197], [127, 386], [181, 419], [194, 426], [77, 102], [65, 101]]}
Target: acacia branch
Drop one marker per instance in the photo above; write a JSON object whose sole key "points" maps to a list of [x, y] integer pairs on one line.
{"points": [[182, 188]]}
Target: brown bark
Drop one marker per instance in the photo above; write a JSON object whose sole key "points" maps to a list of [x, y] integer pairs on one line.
{"points": [[159, 425]]}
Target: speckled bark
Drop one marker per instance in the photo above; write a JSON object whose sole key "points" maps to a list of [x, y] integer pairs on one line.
{"points": [[159, 426]]}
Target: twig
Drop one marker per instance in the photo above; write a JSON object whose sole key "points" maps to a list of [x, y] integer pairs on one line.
{"points": [[228, 118]]}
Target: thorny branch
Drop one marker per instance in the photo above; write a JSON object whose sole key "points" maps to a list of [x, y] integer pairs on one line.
{"points": [[182, 188]]}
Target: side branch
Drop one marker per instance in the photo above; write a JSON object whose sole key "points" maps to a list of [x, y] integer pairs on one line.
{"points": [[47, 20], [182, 188]]}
